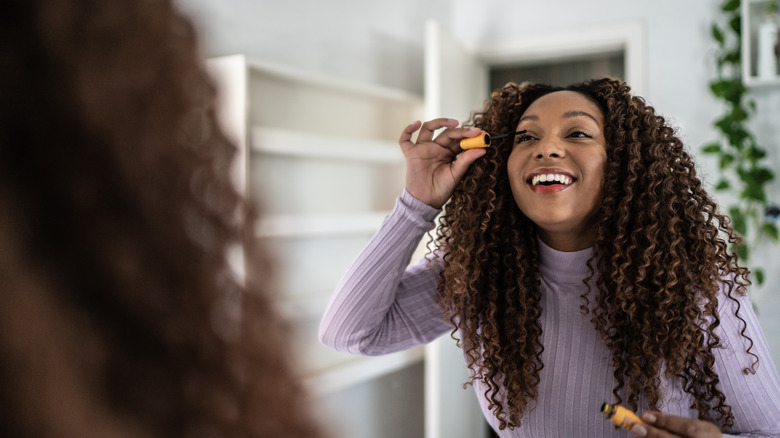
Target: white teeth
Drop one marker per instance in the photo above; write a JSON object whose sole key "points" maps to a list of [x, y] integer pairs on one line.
{"points": [[563, 179]]}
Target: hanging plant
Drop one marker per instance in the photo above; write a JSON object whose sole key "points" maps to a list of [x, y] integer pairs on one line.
{"points": [[744, 172]]}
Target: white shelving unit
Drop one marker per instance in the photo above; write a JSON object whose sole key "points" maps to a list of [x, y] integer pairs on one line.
{"points": [[320, 157], [753, 12]]}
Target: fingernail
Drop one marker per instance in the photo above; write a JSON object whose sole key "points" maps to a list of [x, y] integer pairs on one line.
{"points": [[648, 417], [638, 430]]}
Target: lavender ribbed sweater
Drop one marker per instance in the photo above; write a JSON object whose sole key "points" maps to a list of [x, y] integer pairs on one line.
{"points": [[382, 306]]}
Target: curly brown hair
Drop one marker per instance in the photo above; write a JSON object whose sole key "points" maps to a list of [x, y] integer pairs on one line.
{"points": [[119, 314], [661, 255]]}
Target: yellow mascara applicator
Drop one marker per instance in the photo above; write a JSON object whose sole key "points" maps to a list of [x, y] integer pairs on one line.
{"points": [[620, 416]]}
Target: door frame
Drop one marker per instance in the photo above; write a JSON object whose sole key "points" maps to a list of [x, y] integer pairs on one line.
{"points": [[563, 43]]}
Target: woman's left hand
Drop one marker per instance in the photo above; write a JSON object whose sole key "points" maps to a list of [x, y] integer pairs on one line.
{"points": [[660, 425]]}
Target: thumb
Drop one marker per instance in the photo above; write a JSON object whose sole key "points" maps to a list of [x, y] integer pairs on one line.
{"points": [[464, 160]]}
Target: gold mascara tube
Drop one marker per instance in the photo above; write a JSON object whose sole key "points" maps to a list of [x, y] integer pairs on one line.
{"points": [[480, 141], [620, 416]]}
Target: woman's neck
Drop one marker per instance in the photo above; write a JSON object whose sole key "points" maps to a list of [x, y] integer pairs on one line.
{"points": [[567, 242]]}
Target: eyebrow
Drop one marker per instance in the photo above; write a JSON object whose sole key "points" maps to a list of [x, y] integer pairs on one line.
{"points": [[566, 115], [572, 114]]}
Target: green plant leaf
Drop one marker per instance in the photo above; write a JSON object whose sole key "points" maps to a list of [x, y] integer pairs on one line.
{"points": [[726, 160], [738, 114], [736, 24], [730, 5], [732, 57], [737, 135], [754, 180], [764, 175], [759, 273], [754, 153], [717, 34], [743, 253], [756, 175], [771, 230], [724, 124], [728, 89], [722, 185], [754, 192], [738, 221], [711, 148]]}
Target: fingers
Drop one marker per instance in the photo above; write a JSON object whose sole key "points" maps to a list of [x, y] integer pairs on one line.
{"points": [[428, 128], [464, 160], [643, 431], [449, 138], [660, 425], [406, 136]]}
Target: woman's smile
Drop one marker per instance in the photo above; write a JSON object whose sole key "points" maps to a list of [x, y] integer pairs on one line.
{"points": [[550, 180]]}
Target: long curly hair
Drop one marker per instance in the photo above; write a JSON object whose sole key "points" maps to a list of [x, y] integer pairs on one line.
{"points": [[661, 255], [119, 314]]}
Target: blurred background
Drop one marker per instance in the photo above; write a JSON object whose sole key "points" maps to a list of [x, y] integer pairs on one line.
{"points": [[318, 91]]}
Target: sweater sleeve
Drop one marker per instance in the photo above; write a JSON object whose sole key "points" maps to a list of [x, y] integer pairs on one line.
{"points": [[754, 395], [382, 305]]}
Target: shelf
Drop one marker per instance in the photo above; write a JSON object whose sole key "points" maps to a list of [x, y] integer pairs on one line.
{"points": [[318, 225], [753, 81], [752, 11], [301, 144], [359, 370], [319, 155], [369, 90]]}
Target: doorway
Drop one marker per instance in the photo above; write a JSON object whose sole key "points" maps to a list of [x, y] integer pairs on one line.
{"points": [[564, 56], [560, 72]]}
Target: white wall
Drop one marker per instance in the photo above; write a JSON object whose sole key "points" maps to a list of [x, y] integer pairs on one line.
{"points": [[368, 41]]}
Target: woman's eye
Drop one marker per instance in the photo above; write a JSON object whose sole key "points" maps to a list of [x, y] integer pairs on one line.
{"points": [[523, 138], [579, 134]]}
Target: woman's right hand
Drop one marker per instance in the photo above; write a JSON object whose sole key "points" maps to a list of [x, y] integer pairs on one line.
{"points": [[435, 165]]}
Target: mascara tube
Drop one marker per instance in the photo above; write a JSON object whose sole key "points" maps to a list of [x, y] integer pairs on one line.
{"points": [[620, 416], [480, 141]]}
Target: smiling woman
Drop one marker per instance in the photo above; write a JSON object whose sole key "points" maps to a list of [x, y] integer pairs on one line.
{"points": [[582, 263]]}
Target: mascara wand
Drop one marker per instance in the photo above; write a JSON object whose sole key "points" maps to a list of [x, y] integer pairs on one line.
{"points": [[483, 140]]}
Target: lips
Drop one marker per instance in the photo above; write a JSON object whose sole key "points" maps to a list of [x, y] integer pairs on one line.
{"points": [[549, 180]]}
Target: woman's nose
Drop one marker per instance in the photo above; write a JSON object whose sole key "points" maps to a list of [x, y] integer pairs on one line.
{"points": [[547, 148]]}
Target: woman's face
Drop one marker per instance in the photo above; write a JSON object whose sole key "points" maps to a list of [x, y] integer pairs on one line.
{"points": [[556, 169]]}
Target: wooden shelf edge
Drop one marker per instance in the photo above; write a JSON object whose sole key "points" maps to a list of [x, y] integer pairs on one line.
{"points": [[359, 370], [301, 144], [360, 88]]}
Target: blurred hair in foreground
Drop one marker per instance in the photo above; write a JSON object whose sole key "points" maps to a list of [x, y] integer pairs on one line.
{"points": [[119, 315]]}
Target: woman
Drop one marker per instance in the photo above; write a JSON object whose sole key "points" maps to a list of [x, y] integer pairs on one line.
{"points": [[119, 315], [580, 261]]}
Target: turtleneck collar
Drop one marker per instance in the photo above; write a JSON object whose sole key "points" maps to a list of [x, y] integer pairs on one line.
{"points": [[567, 267]]}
